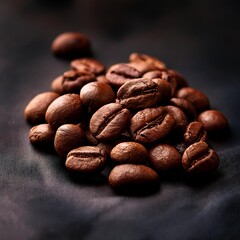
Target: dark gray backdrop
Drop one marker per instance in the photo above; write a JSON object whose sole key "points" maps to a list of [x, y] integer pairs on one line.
{"points": [[38, 199]]}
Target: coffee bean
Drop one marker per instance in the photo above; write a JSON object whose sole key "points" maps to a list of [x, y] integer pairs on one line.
{"points": [[165, 76], [35, 110], [71, 45], [195, 132], [57, 86], [88, 65], [132, 178], [102, 79], [109, 121], [199, 158], [197, 98], [186, 106], [74, 80], [94, 95], [213, 121], [143, 93], [65, 109], [180, 79], [42, 136], [138, 57], [120, 73], [86, 159], [164, 157], [129, 152], [68, 137], [179, 117], [151, 124]]}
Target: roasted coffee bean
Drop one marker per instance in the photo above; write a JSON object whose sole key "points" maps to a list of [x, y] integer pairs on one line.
{"points": [[91, 140], [165, 76], [186, 106], [42, 136], [132, 178], [35, 110], [197, 98], [65, 109], [179, 117], [213, 121], [129, 152], [195, 132], [68, 137], [57, 85], [151, 124], [142, 67], [199, 158], [109, 121], [120, 73], [74, 80], [164, 157], [88, 65], [181, 81], [102, 79], [94, 95], [143, 93], [138, 57], [86, 159], [71, 45]]}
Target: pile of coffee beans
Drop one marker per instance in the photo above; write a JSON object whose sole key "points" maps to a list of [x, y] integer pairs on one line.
{"points": [[138, 119]]}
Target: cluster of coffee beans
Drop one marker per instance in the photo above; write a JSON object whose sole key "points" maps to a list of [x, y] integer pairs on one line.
{"points": [[139, 118]]}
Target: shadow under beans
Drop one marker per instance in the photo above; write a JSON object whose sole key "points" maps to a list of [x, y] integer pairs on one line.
{"points": [[88, 179], [223, 136], [202, 180]]}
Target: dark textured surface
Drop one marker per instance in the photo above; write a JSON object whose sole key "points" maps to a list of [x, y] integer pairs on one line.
{"points": [[38, 199]]}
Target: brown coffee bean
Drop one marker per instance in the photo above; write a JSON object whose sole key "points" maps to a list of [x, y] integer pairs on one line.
{"points": [[94, 95], [151, 124], [102, 79], [42, 136], [199, 158], [131, 178], [71, 45], [143, 93], [142, 67], [109, 121], [68, 137], [35, 110], [129, 152], [86, 159], [120, 73], [213, 121], [197, 98], [88, 65], [65, 109], [164, 157], [179, 117], [180, 79], [195, 132], [74, 80], [163, 74], [186, 106], [138, 57], [57, 85]]}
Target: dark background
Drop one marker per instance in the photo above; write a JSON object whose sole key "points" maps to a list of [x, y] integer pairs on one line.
{"points": [[38, 199]]}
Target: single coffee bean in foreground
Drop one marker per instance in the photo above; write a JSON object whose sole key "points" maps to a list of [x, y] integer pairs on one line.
{"points": [[151, 124], [198, 158], [129, 152], [213, 121], [68, 137], [65, 109], [143, 93], [35, 111], [86, 159], [164, 157], [132, 178], [71, 45], [109, 121], [42, 136]]}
